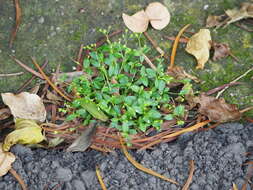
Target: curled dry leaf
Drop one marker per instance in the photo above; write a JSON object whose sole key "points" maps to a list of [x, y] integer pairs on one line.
{"points": [[232, 15], [199, 46], [84, 140], [137, 22], [4, 113], [26, 132], [217, 110], [158, 15], [6, 159], [221, 50], [25, 105]]}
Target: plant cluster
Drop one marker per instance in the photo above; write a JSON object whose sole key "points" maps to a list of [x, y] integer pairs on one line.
{"points": [[132, 96]]}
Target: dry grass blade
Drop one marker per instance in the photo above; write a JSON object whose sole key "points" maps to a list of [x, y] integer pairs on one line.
{"points": [[174, 49], [142, 168], [100, 179], [18, 178], [189, 180], [18, 19], [235, 187], [49, 81], [189, 129]]}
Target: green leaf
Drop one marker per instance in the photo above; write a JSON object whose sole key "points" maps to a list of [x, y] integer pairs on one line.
{"points": [[168, 117], [93, 109], [71, 117], [179, 111]]}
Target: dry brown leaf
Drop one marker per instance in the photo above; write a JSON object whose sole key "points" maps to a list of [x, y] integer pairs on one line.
{"points": [[217, 110], [158, 15], [221, 50], [232, 15], [199, 46], [6, 159], [179, 73], [5, 113], [137, 22], [25, 105], [52, 96], [213, 20]]}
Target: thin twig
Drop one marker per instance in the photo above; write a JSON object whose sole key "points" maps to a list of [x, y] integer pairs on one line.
{"points": [[11, 74], [154, 44], [246, 109], [149, 62], [102, 41], [189, 180], [27, 68], [214, 90], [31, 79], [48, 80], [238, 78], [174, 48], [18, 20], [18, 178]]}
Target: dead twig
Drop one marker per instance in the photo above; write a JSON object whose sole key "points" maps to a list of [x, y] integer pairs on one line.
{"points": [[18, 178], [11, 74], [238, 78], [31, 79], [149, 62], [214, 90], [154, 44], [18, 20], [27, 68], [189, 180]]}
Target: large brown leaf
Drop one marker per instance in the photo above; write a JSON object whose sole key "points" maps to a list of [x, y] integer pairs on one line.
{"points": [[217, 110]]}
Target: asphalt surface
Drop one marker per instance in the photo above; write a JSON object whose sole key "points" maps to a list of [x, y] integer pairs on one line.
{"points": [[218, 154]]}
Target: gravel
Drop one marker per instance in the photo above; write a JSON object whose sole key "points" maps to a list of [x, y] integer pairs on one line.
{"points": [[218, 155]]}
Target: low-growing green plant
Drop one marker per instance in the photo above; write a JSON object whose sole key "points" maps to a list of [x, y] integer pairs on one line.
{"points": [[121, 91]]}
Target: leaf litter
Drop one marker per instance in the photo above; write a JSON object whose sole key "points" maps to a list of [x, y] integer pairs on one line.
{"points": [[106, 139]]}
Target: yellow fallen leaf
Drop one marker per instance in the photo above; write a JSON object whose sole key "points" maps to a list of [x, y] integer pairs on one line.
{"points": [[26, 132], [235, 187], [6, 159], [158, 15], [199, 46], [137, 22]]}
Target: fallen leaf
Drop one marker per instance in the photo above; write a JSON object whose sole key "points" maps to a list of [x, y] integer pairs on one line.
{"points": [[199, 46], [137, 22], [26, 132], [84, 140], [179, 73], [221, 50], [6, 159], [246, 11], [231, 16], [93, 109], [52, 96], [158, 15], [214, 21], [5, 113], [217, 110], [25, 105]]}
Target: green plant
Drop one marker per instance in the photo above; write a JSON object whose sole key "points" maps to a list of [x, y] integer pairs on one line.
{"points": [[123, 92]]}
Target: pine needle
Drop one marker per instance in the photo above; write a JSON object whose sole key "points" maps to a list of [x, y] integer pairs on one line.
{"points": [[189, 180], [142, 168], [174, 48], [49, 81], [189, 129], [18, 178], [100, 179]]}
